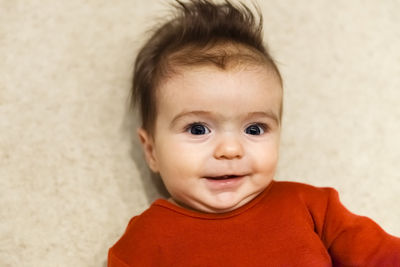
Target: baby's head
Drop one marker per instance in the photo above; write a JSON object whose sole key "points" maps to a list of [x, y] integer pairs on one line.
{"points": [[210, 99]]}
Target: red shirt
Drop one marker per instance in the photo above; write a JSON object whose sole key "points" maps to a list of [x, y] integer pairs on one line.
{"points": [[289, 224]]}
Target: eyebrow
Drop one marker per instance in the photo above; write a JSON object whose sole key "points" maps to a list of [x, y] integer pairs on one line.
{"points": [[268, 114], [189, 113]]}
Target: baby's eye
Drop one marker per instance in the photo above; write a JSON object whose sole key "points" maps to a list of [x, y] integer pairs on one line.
{"points": [[198, 129], [255, 129]]}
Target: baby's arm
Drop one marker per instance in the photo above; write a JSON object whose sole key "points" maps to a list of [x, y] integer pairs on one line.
{"points": [[114, 261], [137, 247], [356, 240]]}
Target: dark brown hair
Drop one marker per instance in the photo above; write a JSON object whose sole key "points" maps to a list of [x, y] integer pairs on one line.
{"points": [[201, 32]]}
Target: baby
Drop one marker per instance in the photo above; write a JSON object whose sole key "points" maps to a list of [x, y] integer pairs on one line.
{"points": [[210, 99]]}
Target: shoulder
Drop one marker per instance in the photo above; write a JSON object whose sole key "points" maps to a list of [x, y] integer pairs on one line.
{"points": [[315, 200], [148, 223], [304, 191], [140, 239]]}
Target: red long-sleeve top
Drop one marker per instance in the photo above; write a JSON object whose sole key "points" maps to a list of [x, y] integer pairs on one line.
{"points": [[289, 224]]}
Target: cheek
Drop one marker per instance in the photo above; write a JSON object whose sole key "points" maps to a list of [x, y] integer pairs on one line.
{"points": [[175, 158], [265, 158]]}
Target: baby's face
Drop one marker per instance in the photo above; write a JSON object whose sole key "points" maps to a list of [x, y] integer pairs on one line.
{"points": [[217, 134]]}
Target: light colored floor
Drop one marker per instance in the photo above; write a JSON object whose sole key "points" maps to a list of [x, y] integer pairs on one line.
{"points": [[71, 172]]}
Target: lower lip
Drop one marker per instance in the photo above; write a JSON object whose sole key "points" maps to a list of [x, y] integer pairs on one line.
{"points": [[224, 184]]}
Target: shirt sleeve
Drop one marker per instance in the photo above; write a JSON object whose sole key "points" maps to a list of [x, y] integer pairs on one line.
{"points": [[354, 240], [137, 247], [114, 261]]}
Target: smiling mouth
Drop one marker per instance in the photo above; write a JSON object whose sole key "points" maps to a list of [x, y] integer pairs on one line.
{"points": [[224, 177]]}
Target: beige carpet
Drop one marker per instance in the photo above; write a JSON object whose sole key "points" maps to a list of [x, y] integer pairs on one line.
{"points": [[71, 172]]}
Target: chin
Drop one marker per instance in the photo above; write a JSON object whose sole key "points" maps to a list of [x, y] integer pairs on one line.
{"points": [[225, 205], [229, 201]]}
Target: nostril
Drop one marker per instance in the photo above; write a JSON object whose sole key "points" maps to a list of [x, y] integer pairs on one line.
{"points": [[229, 149]]}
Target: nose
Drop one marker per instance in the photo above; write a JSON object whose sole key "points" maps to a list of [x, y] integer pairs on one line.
{"points": [[229, 147]]}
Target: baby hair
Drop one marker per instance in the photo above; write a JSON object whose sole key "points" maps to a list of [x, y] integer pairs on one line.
{"points": [[201, 32]]}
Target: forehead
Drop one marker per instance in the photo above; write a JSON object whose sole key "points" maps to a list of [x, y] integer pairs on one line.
{"points": [[226, 92]]}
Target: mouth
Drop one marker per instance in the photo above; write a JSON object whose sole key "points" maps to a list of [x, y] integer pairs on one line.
{"points": [[225, 182], [224, 177]]}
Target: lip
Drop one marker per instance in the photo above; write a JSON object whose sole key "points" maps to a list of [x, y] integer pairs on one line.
{"points": [[219, 175], [219, 183]]}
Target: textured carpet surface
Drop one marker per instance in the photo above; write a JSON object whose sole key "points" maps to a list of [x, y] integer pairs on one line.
{"points": [[71, 171]]}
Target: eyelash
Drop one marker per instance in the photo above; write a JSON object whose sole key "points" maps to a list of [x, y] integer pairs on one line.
{"points": [[263, 126], [189, 126]]}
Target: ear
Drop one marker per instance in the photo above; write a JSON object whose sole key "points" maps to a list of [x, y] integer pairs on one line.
{"points": [[148, 148]]}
